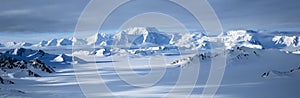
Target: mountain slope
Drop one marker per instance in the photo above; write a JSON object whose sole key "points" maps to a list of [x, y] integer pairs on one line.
{"points": [[29, 54], [12, 68], [77, 41], [62, 58], [64, 42]]}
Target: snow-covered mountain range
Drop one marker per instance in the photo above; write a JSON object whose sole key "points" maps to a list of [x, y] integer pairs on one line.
{"points": [[55, 42], [151, 37]]}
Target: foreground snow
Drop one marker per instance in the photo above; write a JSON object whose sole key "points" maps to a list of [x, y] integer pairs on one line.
{"points": [[242, 78]]}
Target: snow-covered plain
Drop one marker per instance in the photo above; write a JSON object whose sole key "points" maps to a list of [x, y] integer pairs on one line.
{"points": [[242, 78], [253, 69]]}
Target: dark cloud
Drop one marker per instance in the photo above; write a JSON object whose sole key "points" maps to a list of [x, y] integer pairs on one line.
{"points": [[258, 14], [37, 16], [23, 16]]}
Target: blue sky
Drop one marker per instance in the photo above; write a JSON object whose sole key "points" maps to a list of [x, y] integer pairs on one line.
{"points": [[20, 17]]}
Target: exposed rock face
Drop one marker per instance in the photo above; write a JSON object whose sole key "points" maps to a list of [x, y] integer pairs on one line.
{"points": [[20, 67], [4, 81]]}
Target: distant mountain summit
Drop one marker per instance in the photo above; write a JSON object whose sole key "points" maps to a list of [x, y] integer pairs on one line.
{"points": [[141, 36], [242, 38], [15, 44], [99, 39], [289, 41], [56, 42], [191, 41]]}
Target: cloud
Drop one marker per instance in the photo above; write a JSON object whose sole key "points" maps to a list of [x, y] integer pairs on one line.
{"points": [[38, 16], [257, 14], [15, 12]]}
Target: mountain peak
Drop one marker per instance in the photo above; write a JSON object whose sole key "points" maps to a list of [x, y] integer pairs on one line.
{"points": [[140, 30], [62, 58], [52, 42], [97, 38], [141, 36], [287, 40], [64, 42], [245, 38]]}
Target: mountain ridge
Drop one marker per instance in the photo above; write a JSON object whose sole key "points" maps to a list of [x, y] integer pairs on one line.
{"points": [[150, 36]]}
